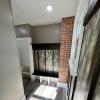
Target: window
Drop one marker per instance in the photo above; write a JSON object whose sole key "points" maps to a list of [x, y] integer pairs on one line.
{"points": [[46, 59]]}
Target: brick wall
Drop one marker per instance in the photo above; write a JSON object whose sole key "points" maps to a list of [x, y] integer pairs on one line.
{"points": [[66, 40]]}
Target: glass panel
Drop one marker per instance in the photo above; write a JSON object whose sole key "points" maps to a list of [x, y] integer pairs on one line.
{"points": [[42, 59], [49, 60], [46, 60], [56, 60]]}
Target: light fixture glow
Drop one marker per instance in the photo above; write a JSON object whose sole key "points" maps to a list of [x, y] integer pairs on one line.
{"points": [[49, 8]]}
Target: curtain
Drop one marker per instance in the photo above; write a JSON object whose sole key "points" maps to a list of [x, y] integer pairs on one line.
{"points": [[46, 60]]}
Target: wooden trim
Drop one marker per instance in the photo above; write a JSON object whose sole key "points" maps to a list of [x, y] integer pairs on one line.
{"points": [[95, 5], [74, 88], [96, 71], [45, 46], [94, 82]]}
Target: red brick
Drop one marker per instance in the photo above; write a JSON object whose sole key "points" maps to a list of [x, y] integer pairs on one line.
{"points": [[66, 40]]}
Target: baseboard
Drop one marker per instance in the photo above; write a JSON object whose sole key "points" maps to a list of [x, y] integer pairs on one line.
{"points": [[63, 85], [23, 98]]}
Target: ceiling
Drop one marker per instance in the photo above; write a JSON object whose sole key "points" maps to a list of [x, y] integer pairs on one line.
{"points": [[34, 11]]}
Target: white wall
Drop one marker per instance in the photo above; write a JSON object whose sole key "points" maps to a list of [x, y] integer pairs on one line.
{"points": [[46, 33], [11, 87], [26, 55], [22, 45]]}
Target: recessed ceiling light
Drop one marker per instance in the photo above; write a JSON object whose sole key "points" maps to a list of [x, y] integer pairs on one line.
{"points": [[49, 8]]}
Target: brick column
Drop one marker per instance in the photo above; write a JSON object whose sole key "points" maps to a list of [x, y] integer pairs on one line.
{"points": [[66, 40]]}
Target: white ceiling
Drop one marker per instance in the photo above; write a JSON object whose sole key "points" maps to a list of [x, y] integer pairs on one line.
{"points": [[34, 11]]}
